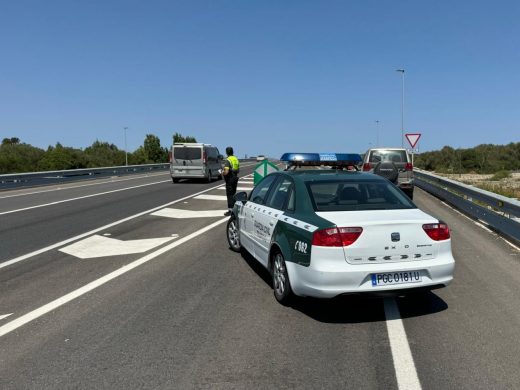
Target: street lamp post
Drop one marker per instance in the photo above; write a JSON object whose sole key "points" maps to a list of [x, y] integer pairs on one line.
{"points": [[126, 150], [402, 105], [377, 134]]}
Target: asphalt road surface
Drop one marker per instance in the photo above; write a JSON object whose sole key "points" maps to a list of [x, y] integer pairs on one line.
{"points": [[103, 286]]}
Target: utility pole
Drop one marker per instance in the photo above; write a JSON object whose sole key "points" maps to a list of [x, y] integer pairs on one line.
{"points": [[126, 150]]}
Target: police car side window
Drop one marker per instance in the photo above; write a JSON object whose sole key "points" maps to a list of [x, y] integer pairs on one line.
{"points": [[280, 194], [261, 191]]}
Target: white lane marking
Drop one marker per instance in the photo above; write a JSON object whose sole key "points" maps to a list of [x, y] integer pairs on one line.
{"points": [[99, 246], [80, 236], [2, 316], [183, 214], [26, 318], [82, 197], [83, 185], [211, 197], [404, 365], [238, 188]]}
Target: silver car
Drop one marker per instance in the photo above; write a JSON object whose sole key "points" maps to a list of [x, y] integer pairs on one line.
{"points": [[393, 164]]}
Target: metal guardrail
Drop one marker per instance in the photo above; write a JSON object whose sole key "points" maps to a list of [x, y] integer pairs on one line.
{"points": [[15, 180], [500, 213]]}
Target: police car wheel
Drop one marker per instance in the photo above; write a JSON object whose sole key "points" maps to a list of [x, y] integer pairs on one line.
{"points": [[281, 285], [232, 235]]}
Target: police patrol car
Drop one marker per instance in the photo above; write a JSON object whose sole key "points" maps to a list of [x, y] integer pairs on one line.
{"points": [[332, 230]]}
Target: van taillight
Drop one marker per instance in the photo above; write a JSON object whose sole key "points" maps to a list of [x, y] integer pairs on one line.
{"points": [[204, 157], [408, 167], [437, 231], [343, 236], [366, 167]]}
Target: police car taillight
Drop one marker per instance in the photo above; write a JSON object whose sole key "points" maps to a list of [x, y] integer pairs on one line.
{"points": [[366, 167], [342, 236], [437, 231]]}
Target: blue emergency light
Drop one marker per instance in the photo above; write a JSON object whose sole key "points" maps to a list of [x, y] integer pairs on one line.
{"points": [[317, 159]]}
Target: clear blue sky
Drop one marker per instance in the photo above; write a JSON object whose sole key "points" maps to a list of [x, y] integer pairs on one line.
{"points": [[263, 76]]}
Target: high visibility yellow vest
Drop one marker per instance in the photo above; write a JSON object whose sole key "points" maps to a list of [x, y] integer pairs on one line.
{"points": [[233, 161]]}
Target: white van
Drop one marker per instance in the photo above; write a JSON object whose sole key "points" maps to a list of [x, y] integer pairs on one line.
{"points": [[195, 161]]}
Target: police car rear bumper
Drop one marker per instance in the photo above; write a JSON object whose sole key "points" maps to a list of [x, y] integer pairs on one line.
{"points": [[327, 278]]}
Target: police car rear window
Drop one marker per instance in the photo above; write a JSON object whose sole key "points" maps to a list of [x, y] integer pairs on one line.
{"points": [[351, 196], [187, 153]]}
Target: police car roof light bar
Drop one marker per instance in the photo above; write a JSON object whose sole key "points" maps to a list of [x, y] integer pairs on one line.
{"points": [[321, 159]]}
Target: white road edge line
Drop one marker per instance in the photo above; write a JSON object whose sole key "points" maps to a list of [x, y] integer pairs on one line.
{"points": [[82, 197], [61, 243], [2, 316], [72, 187], [482, 226], [26, 318], [404, 365]]}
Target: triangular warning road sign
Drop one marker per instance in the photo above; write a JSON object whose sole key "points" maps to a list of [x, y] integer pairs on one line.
{"points": [[413, 139]]}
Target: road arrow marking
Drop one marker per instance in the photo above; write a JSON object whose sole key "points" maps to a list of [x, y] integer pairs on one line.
{"points": [[99, 246], [211, 197], [183, 214], [2, 316]]}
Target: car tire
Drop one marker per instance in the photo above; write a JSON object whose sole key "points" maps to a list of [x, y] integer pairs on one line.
{"points": [[410, 194], [209, 179], [281, 285], [233, 235], [175, 180], [388, 170]]}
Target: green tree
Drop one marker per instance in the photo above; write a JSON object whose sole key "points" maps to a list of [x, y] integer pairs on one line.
{"points": [[58, 158], [16, 157], [154, 152], [103, 154], [177, 137]]}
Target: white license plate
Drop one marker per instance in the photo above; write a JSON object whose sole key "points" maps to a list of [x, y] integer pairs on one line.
{"points": [[391, 278]]}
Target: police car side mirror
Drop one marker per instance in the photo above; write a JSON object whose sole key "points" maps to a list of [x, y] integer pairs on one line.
{"points": [[240, 196]]}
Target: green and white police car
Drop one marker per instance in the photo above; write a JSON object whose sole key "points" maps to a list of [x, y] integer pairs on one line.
{"points": [[329, 231]]}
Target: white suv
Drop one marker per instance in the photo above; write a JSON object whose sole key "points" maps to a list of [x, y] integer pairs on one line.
{"points": [[393, 164]]}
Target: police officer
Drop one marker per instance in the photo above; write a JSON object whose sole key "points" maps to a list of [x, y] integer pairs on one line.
{"points": [[230, 173]]}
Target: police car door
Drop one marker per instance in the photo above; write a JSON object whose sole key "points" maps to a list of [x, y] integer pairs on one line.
{"points": [[270, 214], [253, 228]]}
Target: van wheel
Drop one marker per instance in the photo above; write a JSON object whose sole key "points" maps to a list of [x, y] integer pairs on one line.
{"points": [[209, 177], [281, 285], [175, 180]]}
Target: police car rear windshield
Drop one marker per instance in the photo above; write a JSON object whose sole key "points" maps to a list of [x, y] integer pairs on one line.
{"points": [[353, 196]]}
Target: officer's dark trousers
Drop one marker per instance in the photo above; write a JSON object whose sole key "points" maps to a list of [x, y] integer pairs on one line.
{"points": [[231, 189]]}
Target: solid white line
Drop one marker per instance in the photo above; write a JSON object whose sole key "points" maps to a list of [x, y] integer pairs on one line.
{"points": [[2, 316], [10, 326], [101, 181], [82, 197], [404, 366], [61, 243], [482, 226]]}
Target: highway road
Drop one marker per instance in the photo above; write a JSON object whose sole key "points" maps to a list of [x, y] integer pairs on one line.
{"points": [[129, 283]]}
